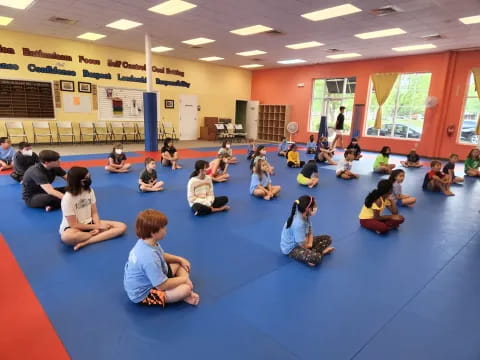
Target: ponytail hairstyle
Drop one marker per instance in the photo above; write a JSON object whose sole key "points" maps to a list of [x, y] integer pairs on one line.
{"points": [[394, 174], [258, 169], [257, 151], [302, 204], [199, 165], [384, 187], [384, 151], [75, 180]]}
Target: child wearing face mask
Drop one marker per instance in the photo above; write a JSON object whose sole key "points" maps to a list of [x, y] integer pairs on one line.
{"points": [[261, 154], [226, 152], [261, 183], [23, 159], [6, 154], [381, 164], [297, 240], [117, 160], [81, 224]]}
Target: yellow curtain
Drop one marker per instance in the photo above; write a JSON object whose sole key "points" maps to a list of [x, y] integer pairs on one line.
{"points": [[383, 84], [476, 77]]}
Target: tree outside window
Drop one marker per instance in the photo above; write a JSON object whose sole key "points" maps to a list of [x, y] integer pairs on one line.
{"points": [[471, 112]]}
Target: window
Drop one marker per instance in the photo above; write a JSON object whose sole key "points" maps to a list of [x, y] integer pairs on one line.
{"points": [[470, 115], [404, 110], [327, 97]]}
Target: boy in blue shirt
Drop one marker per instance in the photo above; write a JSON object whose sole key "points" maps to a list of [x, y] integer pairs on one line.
{"points": [[311, 145], [283, 147], [6, 154], [152, 276]]}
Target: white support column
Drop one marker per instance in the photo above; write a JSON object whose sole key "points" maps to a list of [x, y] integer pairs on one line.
{"points": [[148, 63]]}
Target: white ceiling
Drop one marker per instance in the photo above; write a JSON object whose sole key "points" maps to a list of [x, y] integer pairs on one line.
{"points": [[215, 18]]}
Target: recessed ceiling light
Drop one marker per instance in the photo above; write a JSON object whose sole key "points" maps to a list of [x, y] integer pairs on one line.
{"points": [[251, 53], [250, 30], [124, 24], [292, 61], [211, 58], [198, 41], [414, 47], [304, 45], [16, 4], [470, 19], [159, 49], [381, 33], [4, 21], [251, 66], [343, 56], [333, 12], [91, 36], [172, 7]]}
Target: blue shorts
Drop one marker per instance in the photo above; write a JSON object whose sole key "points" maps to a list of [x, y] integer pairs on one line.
{"points": [[399, 203]]}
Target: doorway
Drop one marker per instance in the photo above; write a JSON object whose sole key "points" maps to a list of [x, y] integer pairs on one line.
{"points": [[188, 119], [241, 112]]}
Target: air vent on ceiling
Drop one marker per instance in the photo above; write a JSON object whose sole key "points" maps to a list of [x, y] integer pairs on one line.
{"points": [[433, 37], [256, 60], [386, 10], [274, 32], [60, 20], [334, 50], [195, 47]]}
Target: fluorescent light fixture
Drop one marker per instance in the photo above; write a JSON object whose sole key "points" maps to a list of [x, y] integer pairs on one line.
{"points": [[304, 45], [333, 12], [4, 20], [414, 47], [292, 61], [198, 41], [381, 33], [91, 36], [124, 24], [172, 7], [159, 49], [211, 58], [251, 66], [251, 53], [470, 20], [16, 4], [343, 56], [250, 30]]}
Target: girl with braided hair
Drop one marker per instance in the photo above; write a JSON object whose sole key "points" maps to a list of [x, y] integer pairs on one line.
{"points": [[298, 241], [376, 201]]}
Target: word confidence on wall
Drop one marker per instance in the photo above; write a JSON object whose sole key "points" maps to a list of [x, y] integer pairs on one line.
{"points": [[50, 70]]}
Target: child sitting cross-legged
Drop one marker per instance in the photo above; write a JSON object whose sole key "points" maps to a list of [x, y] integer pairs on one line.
{"points": [[413, 160], [261, 183], [311, 145], [117, 160], [153, 277], [449, 169], [309, 174], [436, 180], [396, 177], [344, 168], [148, 178], [293, 157]]}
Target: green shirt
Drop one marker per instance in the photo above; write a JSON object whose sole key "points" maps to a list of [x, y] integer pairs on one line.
{"points": [[471, 164], [380, 159]]}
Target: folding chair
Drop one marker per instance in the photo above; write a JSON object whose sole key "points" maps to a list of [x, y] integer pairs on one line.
{"points": [[230, 131], [102, 129], [64, 128], [15, 129], [140, 130], [239, 133], [117, 130], [130, 129], [42, 129], [221, 134], [160, 132], [169, 130], [87, 129]]}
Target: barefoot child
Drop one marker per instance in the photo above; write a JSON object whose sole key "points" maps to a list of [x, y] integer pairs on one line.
{"points": [[401, 199], [200, 192], [371, 214], [324, 152], [413, 160], [217, 170], [472, 163], [283, 147], [436, 180], [357, 151], [261, 183], [226, 152], [298, 241], [81, 225], [6, 154], [261, 154], [293, 157], [381, 164], [309, 174], [153, 277], [344, 168], [449, 169], [117, 160], [147, 182], [169, 154], [311, 145]]}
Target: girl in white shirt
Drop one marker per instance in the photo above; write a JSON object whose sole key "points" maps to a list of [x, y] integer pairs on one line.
{"points": [[81, 225]]}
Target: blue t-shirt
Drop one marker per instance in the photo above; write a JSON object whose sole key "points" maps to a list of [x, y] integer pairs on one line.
{"points": [[7, 154], [145, 269], [311, 145], [295, 235], [256, 181], [283, 146]]}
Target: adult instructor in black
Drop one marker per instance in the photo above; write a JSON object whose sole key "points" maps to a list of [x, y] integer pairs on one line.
{"points": [[38, 191], [339, 128]]}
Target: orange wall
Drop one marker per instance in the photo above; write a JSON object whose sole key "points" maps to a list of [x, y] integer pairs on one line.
{"points": [[450, 72]]}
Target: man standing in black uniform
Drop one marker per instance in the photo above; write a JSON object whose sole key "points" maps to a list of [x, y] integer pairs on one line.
{"points": [[339, 128]]}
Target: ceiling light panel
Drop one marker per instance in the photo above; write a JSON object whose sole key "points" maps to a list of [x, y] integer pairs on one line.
{"points": [[251, 66], [343, 56], [159, 49], [211, 58], [414, 47], [470, 20], [124, 24], [304, 45], [333, 12], [381, 33], [251, 30], [4, 20], [16, 4], [172, 7], [292, 61], [91, 36], [251, 53], [198, 41]]}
